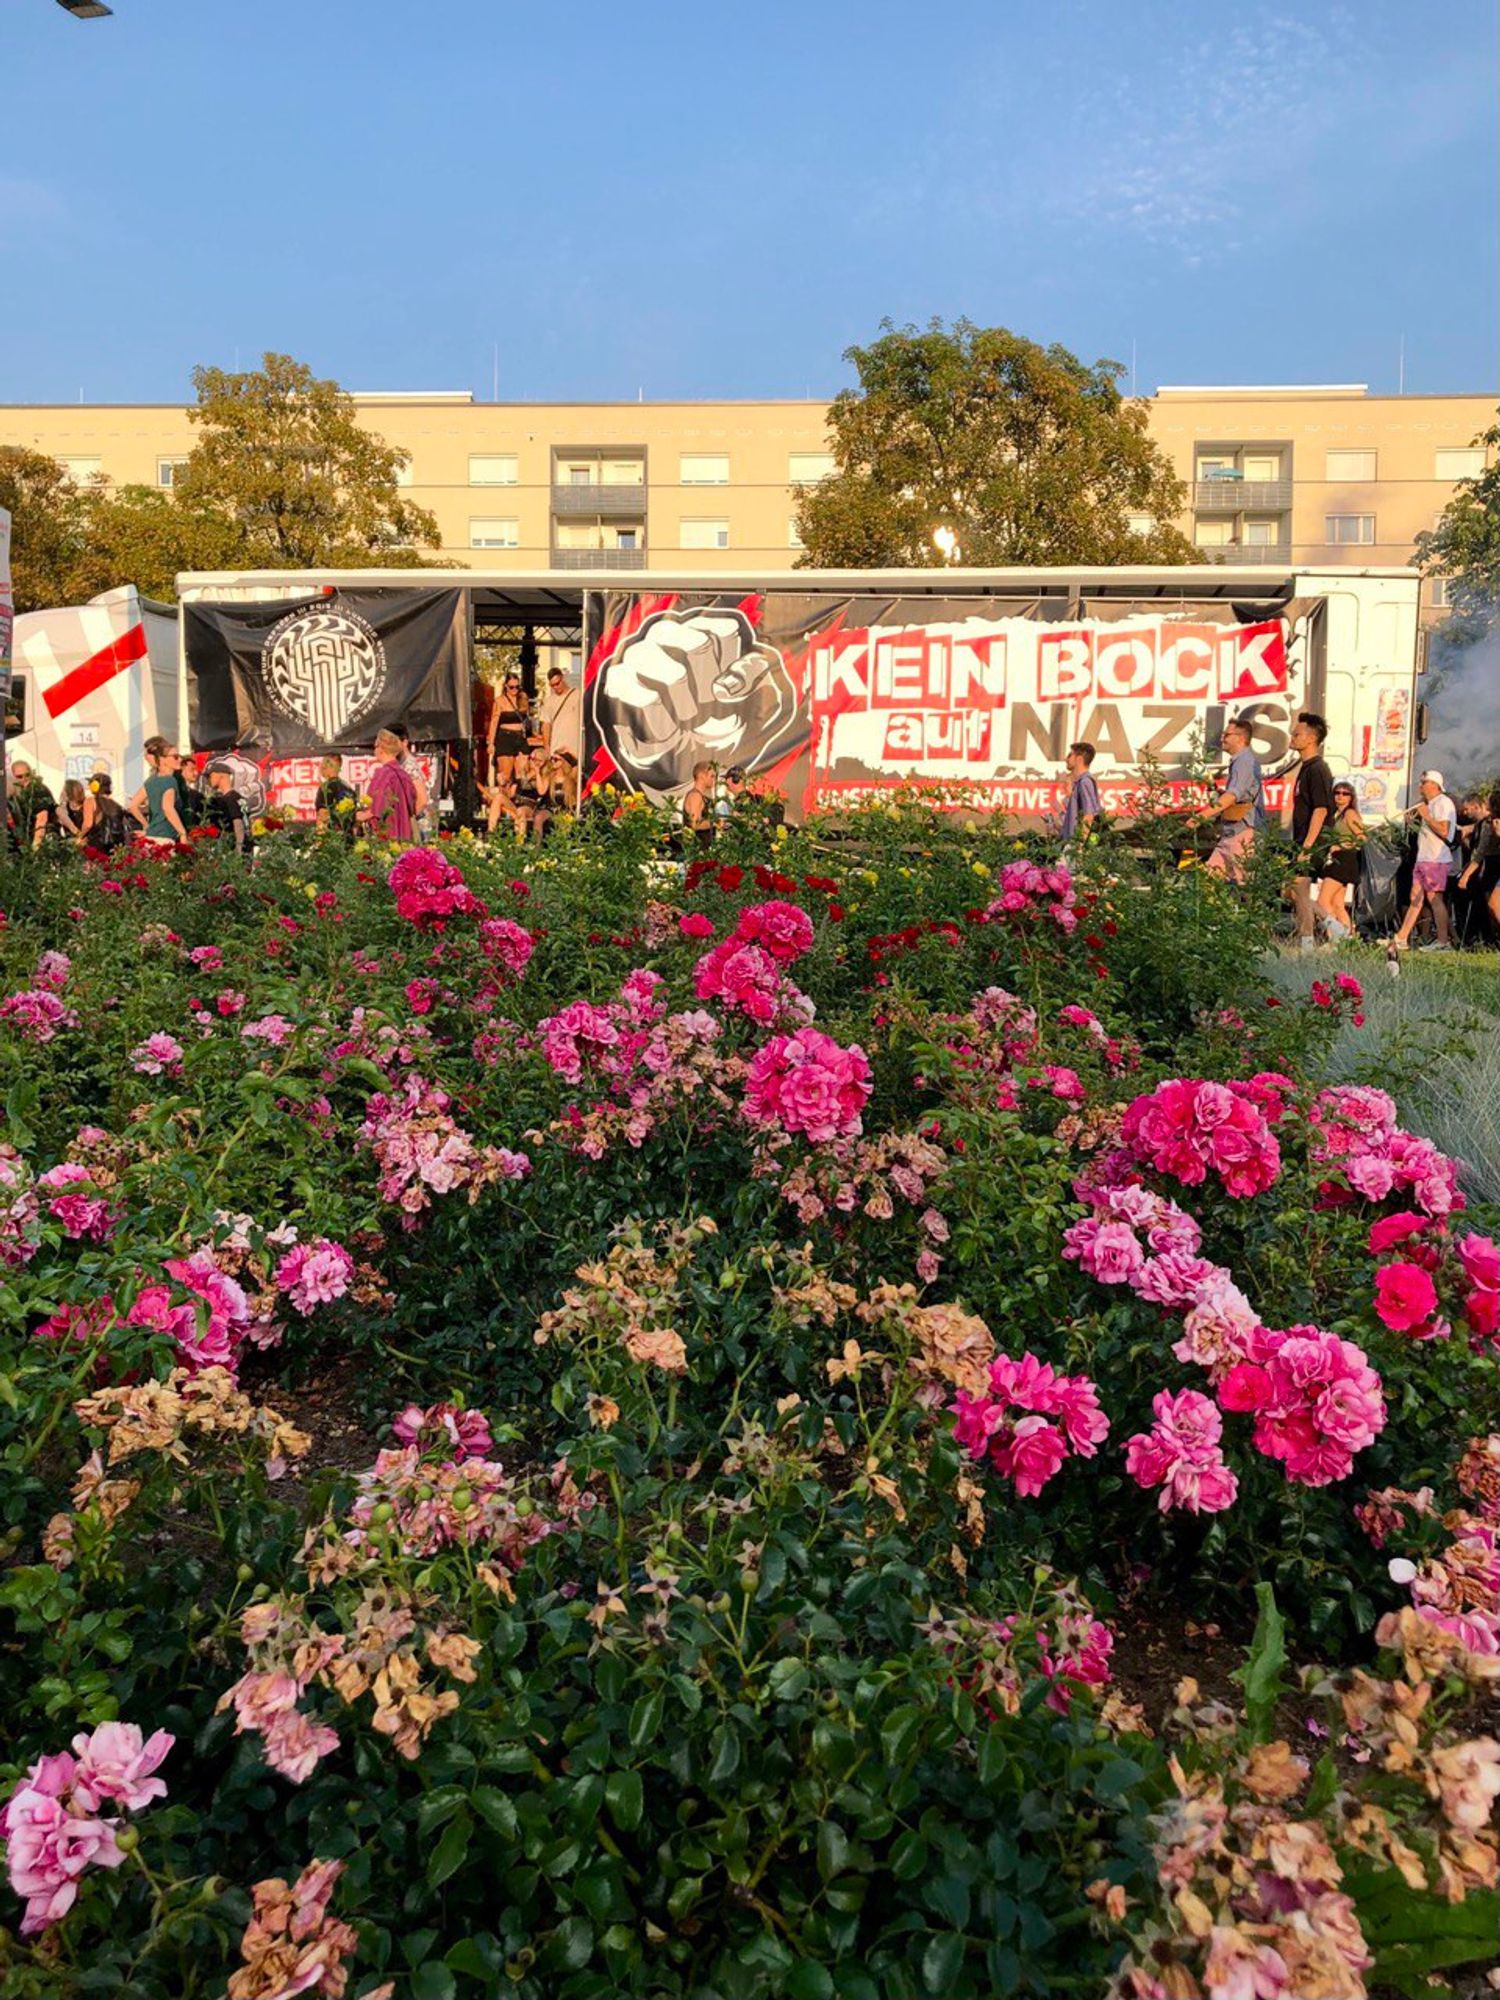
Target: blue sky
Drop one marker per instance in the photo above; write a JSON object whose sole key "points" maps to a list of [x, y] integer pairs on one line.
{"points": [[698, 200]]}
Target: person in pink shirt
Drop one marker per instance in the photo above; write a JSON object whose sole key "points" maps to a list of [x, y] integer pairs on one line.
{"points": [[391, 813]]}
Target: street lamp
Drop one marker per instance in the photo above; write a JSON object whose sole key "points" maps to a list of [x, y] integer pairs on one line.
{"points": [[86, 10]]}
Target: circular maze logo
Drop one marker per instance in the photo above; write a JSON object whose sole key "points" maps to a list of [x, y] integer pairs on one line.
{"points": [[325, 669]]}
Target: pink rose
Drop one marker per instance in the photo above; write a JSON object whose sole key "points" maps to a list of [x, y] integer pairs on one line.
{"points": [[1405, 1296]]}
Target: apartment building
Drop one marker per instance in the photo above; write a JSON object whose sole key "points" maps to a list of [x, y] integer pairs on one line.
{"points": [[1297, 475]]}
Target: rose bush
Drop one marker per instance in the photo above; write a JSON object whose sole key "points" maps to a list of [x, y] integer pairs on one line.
{"points": [[624, 1417]]}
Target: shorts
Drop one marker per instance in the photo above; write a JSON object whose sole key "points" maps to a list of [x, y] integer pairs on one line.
{"points": [[1431, 876], [1231, 850]]}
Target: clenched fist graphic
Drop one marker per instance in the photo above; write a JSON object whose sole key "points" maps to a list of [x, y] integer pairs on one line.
{"points": [[694, 687]]}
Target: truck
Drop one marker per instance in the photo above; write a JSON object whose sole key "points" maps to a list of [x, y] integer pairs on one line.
{"points": [[831, 686], [90, 683]]}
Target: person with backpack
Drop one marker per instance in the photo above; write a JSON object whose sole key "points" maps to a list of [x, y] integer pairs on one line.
{"points": [[1437, 833], [105, 826]]}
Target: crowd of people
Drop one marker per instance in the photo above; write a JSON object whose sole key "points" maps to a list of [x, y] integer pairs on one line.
{"points": [[530, 778], [1453, 864]]}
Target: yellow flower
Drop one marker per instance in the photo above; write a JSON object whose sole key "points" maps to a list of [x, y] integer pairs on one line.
{"points": [[310, 890], [978, 868]]}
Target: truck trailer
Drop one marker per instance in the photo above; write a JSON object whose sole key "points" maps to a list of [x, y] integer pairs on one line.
{"points": [[831, 686]]}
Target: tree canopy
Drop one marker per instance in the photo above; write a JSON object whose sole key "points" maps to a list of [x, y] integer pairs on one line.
{"points": [[283, 459], [1464, 549], [1008, 452], [282, 476]]}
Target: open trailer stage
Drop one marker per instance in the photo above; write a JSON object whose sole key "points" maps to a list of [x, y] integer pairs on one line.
{"points": [[825, 686]]}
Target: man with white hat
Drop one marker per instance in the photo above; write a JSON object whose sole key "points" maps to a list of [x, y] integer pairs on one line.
{"points": [[1437, 821]]}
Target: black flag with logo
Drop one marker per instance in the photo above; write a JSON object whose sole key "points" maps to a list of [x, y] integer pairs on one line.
{"points": [[327, 672]]}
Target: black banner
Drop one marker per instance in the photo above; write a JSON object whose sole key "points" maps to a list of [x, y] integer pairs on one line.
{"points": [[327, 672]]}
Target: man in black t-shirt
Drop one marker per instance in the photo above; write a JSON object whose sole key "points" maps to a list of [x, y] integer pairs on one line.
{"points": [[224, 810], [1312, 808], [33, 810]]}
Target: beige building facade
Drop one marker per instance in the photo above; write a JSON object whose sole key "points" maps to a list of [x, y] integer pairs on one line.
{"points": [[1302, 476]]}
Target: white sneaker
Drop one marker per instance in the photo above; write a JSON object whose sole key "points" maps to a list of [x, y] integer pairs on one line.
{"points": [[1434, 947], [1334, 930], [1307, 944]]}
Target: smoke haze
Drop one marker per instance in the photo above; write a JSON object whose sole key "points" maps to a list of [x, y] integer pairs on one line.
{"points": [[1463, 740]]}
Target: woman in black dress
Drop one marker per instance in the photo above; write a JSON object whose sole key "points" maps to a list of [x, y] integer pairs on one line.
{"points": [[1341, 870], [510, 726]]}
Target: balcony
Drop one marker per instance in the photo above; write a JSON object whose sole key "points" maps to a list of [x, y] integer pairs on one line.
{"points": [[598, 559], [598, 503], [1242, 496], [1274, 555]]}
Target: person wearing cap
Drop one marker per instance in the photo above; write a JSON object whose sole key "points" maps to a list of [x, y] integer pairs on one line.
{"points": [[33, 810], [1437, 822], [224, 810]]}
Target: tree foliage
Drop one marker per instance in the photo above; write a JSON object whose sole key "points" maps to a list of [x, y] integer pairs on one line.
{"points": [[1024, 454], [1464, 549], [283, 476], [47, 514], [283, 458]]}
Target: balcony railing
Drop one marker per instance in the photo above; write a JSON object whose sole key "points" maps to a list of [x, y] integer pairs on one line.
{"points": [[598, 559], [1242, 496], [597, 503], [1274, 555]]}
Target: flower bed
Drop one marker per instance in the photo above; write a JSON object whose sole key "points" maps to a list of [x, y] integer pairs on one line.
{"points": [[802, 1306]]}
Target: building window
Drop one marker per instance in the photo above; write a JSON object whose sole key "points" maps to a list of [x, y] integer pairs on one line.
{"points": [[1465, 461], [704, 468], [1140, 524], [1345, 528], [1262, 466], [1261, 534], [578, 474], [624, 472], [82, 470], [624, 538], [793, 539], [1217, 465], [577, 535], [1213, 534], [1349, 468], [492, 468], [1440, 592], [168, 469], [704, 535], [494, 534], [806, 468]]}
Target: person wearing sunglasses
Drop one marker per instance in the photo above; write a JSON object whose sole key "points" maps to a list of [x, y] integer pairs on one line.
{"points": [[155, 805], [510, 729], [1341, 870]]}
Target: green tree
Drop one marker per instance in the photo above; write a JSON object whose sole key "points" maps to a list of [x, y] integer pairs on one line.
{"points": [[1464, 549], [48, 515], [283, 460], [1007, 451], [144, 536]]}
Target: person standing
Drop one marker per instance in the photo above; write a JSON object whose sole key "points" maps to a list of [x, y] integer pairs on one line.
{"points": [[155, 804], [510, 727], [698, 804], [336, 801], [393, 797], [72, 809], [413, 769], [1481, 877], [1437, 826], [1083, 806], [1241, 805], [1312, 805], [33, 810], [562, 712], [106, 825], [224, 810], [1342, 872]]}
